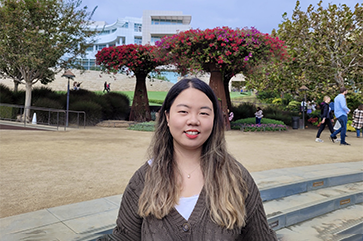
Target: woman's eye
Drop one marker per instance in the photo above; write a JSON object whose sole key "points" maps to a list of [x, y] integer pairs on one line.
{"points": [[204, 113], [182, 111]]}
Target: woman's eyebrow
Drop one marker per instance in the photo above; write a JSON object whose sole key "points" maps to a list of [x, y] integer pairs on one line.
{"points": [[206, 107], [183, 105], [187, 106]]}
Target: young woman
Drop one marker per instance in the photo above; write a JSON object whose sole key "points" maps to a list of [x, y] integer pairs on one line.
{"points": [[326, 116], [191, 188]]}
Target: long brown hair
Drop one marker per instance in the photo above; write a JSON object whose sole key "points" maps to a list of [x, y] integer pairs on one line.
{"points": [[162, 190]]}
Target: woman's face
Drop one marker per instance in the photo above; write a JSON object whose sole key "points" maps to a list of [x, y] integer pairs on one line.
{"points": [[190, 119]]}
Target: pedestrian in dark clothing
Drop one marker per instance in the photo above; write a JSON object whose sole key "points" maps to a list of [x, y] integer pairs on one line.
{"points": [[105, 87], [326, 116]]}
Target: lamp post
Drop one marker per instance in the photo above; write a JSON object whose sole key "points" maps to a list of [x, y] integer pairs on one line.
{"points": [[69, 75], [304, 89]]}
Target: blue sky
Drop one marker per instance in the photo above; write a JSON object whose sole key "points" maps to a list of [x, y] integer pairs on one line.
{"points": [[264, 15]]}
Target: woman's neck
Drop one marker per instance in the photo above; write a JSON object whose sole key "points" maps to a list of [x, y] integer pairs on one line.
{"points": [[187, 159]]}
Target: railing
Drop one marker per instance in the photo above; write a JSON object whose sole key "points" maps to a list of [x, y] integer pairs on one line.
{"points": [[45, 116]]}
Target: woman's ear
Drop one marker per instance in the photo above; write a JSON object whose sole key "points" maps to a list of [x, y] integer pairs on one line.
{"points": [[167, 117]]}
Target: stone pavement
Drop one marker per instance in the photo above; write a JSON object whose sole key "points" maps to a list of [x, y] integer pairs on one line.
{"points": [[87, 220]]}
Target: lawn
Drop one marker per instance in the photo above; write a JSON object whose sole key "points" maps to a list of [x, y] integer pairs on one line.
{"points": [[156, 97]]}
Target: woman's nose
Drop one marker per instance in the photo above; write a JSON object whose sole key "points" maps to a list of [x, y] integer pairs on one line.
{"points": [[193, 120]]}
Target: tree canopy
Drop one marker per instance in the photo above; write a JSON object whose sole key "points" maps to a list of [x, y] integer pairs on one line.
{"points": [[221, 52], [325, 46], [139, 60], [38, 38]]}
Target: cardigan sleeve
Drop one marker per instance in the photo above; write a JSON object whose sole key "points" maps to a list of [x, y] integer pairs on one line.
{"points": [[256, 228], [128, 221]]}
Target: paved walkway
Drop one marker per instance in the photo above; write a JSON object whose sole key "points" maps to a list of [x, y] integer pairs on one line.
{"points": [[80, 221]]}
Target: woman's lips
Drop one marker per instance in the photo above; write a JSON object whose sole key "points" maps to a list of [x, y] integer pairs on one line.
{"points": [[192, 134]]}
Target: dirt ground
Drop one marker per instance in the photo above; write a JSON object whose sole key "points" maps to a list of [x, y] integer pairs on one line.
{"points": [[43, 169]]}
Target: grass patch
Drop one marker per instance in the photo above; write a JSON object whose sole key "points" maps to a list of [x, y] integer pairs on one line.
{"points": [[144, 126]]}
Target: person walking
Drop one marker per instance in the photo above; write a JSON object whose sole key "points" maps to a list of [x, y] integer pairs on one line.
{"points": [[358, 119], [105, 87], [258, 115], [341, 113], [326, 116]]}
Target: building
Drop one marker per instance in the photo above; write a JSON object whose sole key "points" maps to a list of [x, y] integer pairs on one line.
{"points": [[146, 30]]}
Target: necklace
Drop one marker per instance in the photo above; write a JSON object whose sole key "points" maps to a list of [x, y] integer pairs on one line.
{"points": [[188, 176], [190, 173]]}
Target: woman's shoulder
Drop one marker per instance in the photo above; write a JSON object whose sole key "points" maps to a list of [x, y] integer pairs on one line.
{"points": [[245, 173], [137, 181]]}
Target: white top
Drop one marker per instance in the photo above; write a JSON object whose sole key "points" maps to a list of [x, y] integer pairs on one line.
{"points": [[186, 204]]}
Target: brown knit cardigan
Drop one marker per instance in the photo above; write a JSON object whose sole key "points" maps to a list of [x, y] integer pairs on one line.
{"points": [[199, 226]]}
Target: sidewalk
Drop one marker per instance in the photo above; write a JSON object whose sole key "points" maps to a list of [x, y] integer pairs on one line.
{"points": [[81, 221]]}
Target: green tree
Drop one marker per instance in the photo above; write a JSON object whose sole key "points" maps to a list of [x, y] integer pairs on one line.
{"points": [[39, 38], [325, 46]]}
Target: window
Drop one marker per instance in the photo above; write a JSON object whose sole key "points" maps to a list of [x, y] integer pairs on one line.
{"points": [[125, 25], [101, 46], [90, 48], [137, 27], [122, 41], [166, 22], [104, 32], [137, 40], [154, 39]]}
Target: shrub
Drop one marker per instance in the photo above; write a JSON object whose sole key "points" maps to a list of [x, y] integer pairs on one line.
{"points": [[261, 127], [7, 112], [6, 95], [277, 101], [267, 95], [293, 105], [119, 105], [92, 109], [252, 120], [46, 116], [315, 114], [43, 92], [354, 100], [349, 126], [244, 110], [19, 97], [5, 98]]}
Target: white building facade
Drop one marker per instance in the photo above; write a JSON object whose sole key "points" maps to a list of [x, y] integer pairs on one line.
{"points": [[146, 30]]}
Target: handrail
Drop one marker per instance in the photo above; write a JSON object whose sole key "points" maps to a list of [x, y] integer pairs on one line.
{"points": [[22, 108]]}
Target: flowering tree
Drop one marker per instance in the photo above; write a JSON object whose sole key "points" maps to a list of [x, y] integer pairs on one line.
{"points": [[139, 59], [221, 52]]}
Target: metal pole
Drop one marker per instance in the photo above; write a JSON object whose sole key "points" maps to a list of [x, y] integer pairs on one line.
{"points": [[67, 104], [304, 111]]}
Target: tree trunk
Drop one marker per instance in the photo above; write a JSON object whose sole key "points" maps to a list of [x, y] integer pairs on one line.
{"points": [[140, 110], [16, 85], [216, 83], [226, 81], [28, 99]]}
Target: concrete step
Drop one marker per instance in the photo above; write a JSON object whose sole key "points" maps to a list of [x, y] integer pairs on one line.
{"points": [[345, 224], [287, 211]]}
